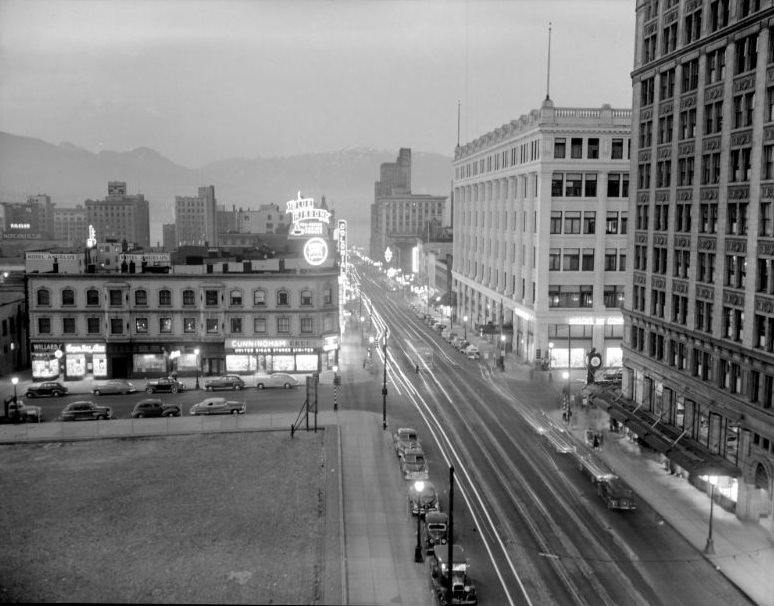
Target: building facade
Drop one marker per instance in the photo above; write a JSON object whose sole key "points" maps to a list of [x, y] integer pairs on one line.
{"points": [[196, 220], [70, 224], [120, 216], [699, 346], [147, 316], [540, 224]]}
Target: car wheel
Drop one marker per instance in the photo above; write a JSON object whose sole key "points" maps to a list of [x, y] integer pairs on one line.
{"points": [[174, 390], [149, 389], [96, 392], [100, 417], [57, 394], [125, 393], [235, 412], [208, 387], [287, 385], [29, 394], [139, 415], [238, 387], [260, 386]]}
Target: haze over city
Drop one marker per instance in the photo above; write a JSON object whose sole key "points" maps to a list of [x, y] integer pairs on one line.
{"points": [[200, 81]]}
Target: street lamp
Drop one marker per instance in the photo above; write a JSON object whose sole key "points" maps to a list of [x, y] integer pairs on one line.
{"points": [[335, 387], [15, 380], [196, 353], [384, 385], [502, 350], [709, 548], [465, 321], [419, 486]]}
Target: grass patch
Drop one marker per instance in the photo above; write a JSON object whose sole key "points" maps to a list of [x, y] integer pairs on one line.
{"points": [[213, 518]]}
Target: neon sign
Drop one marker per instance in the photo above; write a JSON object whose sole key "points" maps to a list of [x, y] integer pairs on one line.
{"points": [[306, 219], [315, 251]]}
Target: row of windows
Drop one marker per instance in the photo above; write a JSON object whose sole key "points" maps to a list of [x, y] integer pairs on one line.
{"points": [[212, 297], [592, 148], [575, 222], [520, 154], [575, 185], [583, 296], [577, 259], [734, 276], [719, 16], [119, 326]]}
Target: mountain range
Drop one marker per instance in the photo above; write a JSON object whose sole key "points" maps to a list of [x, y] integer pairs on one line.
{"points": [[70, 175]]}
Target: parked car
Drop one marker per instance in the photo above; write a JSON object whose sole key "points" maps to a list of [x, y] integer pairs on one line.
{"points": [[616, 494], [403, 438], [472, 352], [153, 407], [422, 498], [225, 382], [165, 384], [25, 412], [413, 465], [47, 388], [462, 344], [218, 406], [276, 379], [463, 590], [112, 386], [84, 410], [435, 530]]}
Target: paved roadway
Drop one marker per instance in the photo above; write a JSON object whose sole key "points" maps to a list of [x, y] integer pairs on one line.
{"points": [[532, 524]]}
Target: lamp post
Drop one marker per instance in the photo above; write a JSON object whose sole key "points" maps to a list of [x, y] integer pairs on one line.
{"points": [[384, 385], [419, 486], [709, 548], [15, 380], [196, 353], [335, 387], [550, 359], [502, 349], [465, 322]]}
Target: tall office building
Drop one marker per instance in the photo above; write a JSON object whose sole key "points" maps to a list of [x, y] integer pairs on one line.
{"points": [[699, 318], [398, 216], [540, 223], [196, 218], [120, 216], [70, 224]]}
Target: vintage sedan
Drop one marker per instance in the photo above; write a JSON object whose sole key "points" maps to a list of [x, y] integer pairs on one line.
{"points": [[47, 388], [85, 411], [24, 413], [413, 464], [113, 386], [218, 406], [403, 438], [153, 407], [225, 382], [422, 498], [276, 379], [165, 384]]}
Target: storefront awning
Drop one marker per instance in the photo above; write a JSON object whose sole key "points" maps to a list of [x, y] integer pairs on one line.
{"points": [[684, 452]]}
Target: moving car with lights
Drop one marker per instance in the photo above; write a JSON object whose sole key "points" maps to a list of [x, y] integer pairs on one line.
{"points": [[463, 591], [218, 406]]}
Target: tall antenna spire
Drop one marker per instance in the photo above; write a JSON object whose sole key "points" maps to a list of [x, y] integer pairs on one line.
{"points": [[458, 122], [548, 69]]}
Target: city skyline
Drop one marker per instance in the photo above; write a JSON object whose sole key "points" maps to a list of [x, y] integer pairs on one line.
{"points": [[267, 78]]}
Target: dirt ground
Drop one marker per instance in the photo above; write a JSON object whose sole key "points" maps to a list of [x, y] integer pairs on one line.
{"points": [[218, 518]]}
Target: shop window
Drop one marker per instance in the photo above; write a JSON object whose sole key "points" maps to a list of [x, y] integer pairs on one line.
{"points": [[165, 325], [68, 326], [210, 297], [141, 325], [68, 296], [282, 298], [259, 297], [189, 297], [93, 326], [115, 296], [189, 325], [259, 325], [283, 326], [306, 325], [116, 326], [44, 297], [212, 326], [306, 297], [141, 297], [165, 297], [235, 297], [236, 325]]}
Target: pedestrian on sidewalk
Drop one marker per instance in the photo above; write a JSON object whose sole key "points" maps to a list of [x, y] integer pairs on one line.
{"points": [[596, 441]]}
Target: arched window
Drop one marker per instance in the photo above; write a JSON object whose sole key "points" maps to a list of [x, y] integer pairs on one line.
{"points": [[44, 296], [259, 297], [68, 296], [92, 296], [306, 297], [282, 297], [189, 297], [235, 297], [141, 297], [165, 297]]}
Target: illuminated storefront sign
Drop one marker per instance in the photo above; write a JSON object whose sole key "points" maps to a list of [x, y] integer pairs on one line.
{"points": [[91, 241], [85, 348], [315, 251], [20, 225], [388, 254], [248, 346], [330, 343], [591, 321]]}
